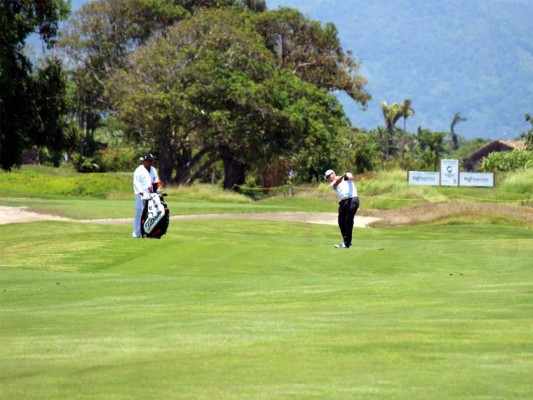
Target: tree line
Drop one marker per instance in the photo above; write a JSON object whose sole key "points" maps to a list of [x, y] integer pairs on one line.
{"points": [[220, 90]]}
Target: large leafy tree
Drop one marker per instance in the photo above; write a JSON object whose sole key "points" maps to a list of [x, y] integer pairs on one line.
{"points": [[97, 42], [312, 52], [18, 109], [364, 152], [206, 92], [188, 92], [210, 90], [101, 36], [52, 128], [308, 128]]}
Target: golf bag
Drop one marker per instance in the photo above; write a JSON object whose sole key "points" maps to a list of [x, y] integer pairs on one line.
{"points": [[156, 217]]}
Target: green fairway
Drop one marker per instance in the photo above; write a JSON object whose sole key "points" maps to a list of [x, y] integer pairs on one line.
{"points": [[228, 309]]}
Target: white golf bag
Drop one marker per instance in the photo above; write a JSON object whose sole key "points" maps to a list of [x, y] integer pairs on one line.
{"points": [[156, 217]]}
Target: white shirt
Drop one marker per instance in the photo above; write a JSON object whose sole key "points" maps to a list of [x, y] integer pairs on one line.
{"points": [[144, 180], [345, 189]]}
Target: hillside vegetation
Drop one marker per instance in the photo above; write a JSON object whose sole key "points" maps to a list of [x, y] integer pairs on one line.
{"points": [[473, 57]]}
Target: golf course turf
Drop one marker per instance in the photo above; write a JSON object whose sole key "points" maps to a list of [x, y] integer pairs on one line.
{"points": [[242, 309]]}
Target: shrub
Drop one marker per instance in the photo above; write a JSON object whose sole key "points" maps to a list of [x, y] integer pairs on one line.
{"points": [[117, 159], [85, 164], [507, 161]]}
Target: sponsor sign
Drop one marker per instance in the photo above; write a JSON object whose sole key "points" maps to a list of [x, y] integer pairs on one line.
{"points": [[449, 172], [476, 179], [423, 178]]}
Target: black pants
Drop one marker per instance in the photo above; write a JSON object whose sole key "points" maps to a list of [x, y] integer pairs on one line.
{"points": [[347, 210]]}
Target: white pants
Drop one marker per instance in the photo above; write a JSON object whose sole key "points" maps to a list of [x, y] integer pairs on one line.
{"points": [[139, 207]]}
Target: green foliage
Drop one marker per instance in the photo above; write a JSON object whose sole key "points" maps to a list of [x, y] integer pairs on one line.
{"points": [[310, 126], [85, 164], [231, 103], [406, 111], [218, 103], [117, 159], [312, 51], [21, 113], [392, 140], [98, 40], [45, 181], [118, 154], [50, 96], [430, 147], [363, 154], [391, 114], [528, 136], [518, 182], [507, 161]]}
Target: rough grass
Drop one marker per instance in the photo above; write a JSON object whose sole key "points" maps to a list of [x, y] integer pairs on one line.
{"points": [[383, 194], [456, 212], [520, 181], [36, 181]]}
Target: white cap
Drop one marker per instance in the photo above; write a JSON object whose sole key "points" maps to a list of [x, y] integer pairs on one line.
{"points": [[328, 173]]}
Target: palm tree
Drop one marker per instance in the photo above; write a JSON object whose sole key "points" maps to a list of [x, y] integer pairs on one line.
{"points": [[432, 146], [456, 119], [406, 110], [391, 115], [528, 136]]}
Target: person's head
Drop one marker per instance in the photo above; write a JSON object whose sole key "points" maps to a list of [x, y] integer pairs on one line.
{"points": [[330, 175], [148, 160]]}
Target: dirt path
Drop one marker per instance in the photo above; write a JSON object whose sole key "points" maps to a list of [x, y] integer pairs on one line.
{"points": [[410, 215], [10, 215]]}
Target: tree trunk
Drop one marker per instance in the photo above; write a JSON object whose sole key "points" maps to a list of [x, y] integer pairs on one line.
{"points": [[182, 164], [455, 141], [234, 172], [166, 163]]}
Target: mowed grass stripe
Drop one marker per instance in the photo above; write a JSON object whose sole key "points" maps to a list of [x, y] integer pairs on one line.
{"points": [[256, 309]]}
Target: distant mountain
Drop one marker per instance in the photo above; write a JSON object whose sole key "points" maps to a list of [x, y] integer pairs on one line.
{"points": [[469, 56]]}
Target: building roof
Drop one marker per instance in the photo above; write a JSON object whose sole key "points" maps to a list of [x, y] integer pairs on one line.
{"points": [[498, 145], [514, 144], [494, 146]]}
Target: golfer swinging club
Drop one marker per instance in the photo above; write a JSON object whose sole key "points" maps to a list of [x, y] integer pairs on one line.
{"points": [[348, 204], [144, 179]]}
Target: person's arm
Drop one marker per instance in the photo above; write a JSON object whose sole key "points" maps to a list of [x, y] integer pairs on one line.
{"points": [[137, 186], [339, 179]]}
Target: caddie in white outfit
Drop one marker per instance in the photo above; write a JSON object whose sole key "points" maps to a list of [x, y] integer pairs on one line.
{"points": [[145, 178], [348, 204]]}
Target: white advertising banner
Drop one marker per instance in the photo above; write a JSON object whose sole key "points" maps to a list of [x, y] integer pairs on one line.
{"points": [[424, 178], [476, 179], [449, 172]]}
